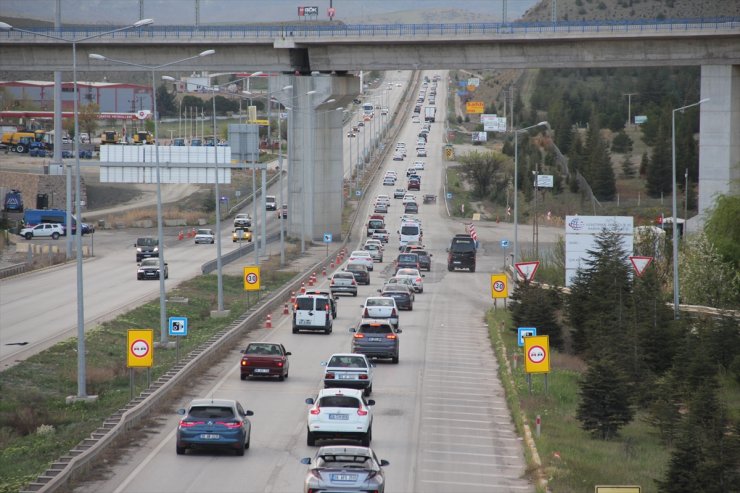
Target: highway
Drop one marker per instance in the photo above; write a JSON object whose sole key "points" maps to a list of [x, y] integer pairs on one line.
{"points": [[440, 416]]}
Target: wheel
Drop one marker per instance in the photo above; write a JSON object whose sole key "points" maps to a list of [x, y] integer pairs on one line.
{"points": [[354, 294], [286, 375], [310, 439], [295, 330], [240, 451], [472, 269], [449, 268], [243, 376], [166, 275], [281, 378], [394, 360], [249, 441], [421, 291], [411, 308], [55, 236], [179, 450], [29, 236], [367, 438], [20, 148], [368, 391]]}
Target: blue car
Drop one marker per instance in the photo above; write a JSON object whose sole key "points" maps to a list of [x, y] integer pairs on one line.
{"points": [[214, 424]]}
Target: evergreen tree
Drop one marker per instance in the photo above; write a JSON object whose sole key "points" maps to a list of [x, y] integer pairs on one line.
{"points": [[686, 459], [534, 306], [621, 143], [644, 164], [603, 182], [604, 405], [165, 102], [628, 171], [723, 229], [659, 171]]}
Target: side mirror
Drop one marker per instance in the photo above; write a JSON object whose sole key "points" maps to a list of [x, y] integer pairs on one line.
{"points": [[447, 249], [248, 413], [307, 461], [398, 331], [380, 290], [181, 412], [288, 353], [323, 363], [243, 351], [310, 401], [370, 402], [352, 329], [384, 463], [423, 275]]}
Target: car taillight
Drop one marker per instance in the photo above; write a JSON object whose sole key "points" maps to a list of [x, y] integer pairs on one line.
{"points": [[190, 424], [366, 313], [230, 424], [315, 410], [418, 279], [361, 412], [245, 362], [359, 336], [332, 282], [315, 473], [280, 364], [329, 376], [353, 282], [393, 312], [326, 307], [295, 306], [390, 336], [363, 376]]}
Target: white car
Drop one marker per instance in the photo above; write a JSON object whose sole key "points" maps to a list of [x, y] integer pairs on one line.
{"points": [[398, 193], [43, 230], [205, 236], [348, 370], [416, 277], [339, 414], [409, 197], [380, 307], [421, 152], [392, 173], [376, 251], [419, 165], [361, 257], [389, 180], [383, 198], [375, 241]]}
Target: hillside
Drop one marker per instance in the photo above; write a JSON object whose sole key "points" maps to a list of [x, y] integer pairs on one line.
{"points": [[609, 10]]}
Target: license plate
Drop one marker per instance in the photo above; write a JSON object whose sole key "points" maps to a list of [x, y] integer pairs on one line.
{"points": [[261, 370], [375, 339], [344, 477], [346, 377], [339, 416], [304, 322], [210, 436]]}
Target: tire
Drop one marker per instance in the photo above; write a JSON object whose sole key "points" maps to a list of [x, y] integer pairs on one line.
{"points": [[472, 269], [240, 451], [449, 268], [20, 148], [29, 236], [179, 450], [368, 391], [411, 308], [243, 376], [55, 236], [368, 437], [281, 378], [249, 441], [286, 375], [354, 294], [394, 360], [295, 330], [310, 439]]}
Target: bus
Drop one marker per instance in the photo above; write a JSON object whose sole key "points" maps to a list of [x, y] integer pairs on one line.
{"points": [[368, 109]]}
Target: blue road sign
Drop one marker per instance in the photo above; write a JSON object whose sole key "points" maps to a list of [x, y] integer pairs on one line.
{"points": [[178, 326], [358, 192], [523, 332], [504, 243], [449, 195], [327, 237]]}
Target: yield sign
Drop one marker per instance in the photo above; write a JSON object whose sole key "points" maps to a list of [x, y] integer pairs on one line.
{"points": [[527, 269], [640, 264]]}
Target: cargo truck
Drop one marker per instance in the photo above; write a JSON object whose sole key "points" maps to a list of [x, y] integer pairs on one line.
{"points": [[430, 113]]}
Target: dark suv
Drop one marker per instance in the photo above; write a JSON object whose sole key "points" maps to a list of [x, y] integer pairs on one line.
{"points": [[376, 339], [146, 247], [406, 261], [461, 254]]}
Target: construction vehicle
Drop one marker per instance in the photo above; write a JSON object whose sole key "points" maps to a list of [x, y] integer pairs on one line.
{"points": [[109, 137], [23, 141], [143, 137]]}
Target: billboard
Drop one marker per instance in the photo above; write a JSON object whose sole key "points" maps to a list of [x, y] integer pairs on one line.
{"points": [[580, 237], [476, 107], [493, 123]]}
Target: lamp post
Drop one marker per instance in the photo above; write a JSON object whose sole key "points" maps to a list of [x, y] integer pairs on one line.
{"points": [[81, 367], [163, 326], [516, 184], [280, 179], [676, 313]]}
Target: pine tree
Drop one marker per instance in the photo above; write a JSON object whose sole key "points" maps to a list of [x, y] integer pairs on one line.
{"points": [[628, 171], [604, 405], [644, 164], [659, 171], [686, 459], [603, 182], [534, 306]]}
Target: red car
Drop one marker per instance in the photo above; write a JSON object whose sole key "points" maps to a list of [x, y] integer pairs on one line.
{"points": [[265, 359], [413, 185]]}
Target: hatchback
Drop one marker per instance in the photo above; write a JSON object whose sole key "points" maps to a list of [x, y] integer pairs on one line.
{"points": [[351, 468], [361, 257], [343, 282], [376, 339], [403, 294], [360, 271], [339, 414], [214, 423], [398, 193]]}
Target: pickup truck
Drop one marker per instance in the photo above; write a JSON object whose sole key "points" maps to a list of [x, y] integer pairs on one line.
{"points": [[265, 359]]}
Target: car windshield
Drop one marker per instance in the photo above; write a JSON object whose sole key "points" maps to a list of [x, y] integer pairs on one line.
{"points": [[339, 275], [339, 401], [375, 224], [353, 461], [379, 302], [347, 362], [407, 272], [305, 303], [460, 245], [211, 412], [205, 232], [356, 267], [263, 349], [408, 258], [146, 242], [410, 230], [150, 262]]}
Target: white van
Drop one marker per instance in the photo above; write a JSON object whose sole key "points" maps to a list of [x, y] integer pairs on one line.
{"points": [[312, 313], [410, 231]]}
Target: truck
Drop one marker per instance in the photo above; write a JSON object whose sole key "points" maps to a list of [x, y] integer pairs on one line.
{"points": [[109, 137], [13, 201], [32, 217], [23, 141], [430, 113], [143, 137]]}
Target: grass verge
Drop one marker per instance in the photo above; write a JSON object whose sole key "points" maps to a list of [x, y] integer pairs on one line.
{"points": [[571, 460], [37, 427]]}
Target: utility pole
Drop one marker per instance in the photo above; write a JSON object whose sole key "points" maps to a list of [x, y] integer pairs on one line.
{"points": [[503, 14], [629, 106]]}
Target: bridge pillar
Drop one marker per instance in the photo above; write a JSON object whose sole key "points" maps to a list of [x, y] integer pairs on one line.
{"points": [[719, 147], [315, 154]]}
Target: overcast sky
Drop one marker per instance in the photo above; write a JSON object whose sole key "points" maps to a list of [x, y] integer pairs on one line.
{"points": [[239, 11]]}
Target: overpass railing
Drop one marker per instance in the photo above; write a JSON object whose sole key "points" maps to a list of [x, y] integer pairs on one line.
{"points": [[305, 30]]}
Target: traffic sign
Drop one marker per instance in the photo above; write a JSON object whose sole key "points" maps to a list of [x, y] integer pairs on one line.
{"points": [[140, 353], [527, 269], [522, 332], [449, 195], [358, 193], [537, 354], [618, 489], [252, 278], [504, 244], [640, 264], [499, 286], [327, 237], [178, 326]]}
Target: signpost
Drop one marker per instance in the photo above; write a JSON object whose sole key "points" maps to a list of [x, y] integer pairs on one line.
{"points": [[327, 240], [527, 269], [139, 353], [475, 107], [499, 288], [252, 280], [522, 332], [536, 357], [178, 328], [640, 264]]}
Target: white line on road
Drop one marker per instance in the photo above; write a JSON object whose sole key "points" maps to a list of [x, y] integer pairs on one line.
{"points": [[485, 485], [473, 454]]}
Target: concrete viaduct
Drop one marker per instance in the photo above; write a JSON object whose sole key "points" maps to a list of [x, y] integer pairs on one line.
{"points": [[305, 49]]}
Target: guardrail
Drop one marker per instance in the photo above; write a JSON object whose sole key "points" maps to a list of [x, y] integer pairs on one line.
{"points": [[13, 270], [337, 30]]}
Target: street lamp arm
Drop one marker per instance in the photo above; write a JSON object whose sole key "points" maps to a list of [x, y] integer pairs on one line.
{"points": [[4, 26], [691, 105], [95, 56]]}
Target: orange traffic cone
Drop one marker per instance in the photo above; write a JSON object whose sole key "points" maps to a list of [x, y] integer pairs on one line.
{"points": [[180, 235], [268, 322], [285, 309], [292, 297], [303, 288], [323, 271]]}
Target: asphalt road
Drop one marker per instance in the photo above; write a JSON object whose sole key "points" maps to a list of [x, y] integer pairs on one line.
{"points": [[440, 417]]}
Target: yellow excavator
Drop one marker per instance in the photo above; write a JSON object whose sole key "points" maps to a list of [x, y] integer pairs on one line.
{"points": [[143, 137], [109, 137]]}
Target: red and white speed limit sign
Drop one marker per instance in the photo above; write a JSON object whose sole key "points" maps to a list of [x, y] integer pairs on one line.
{"points": [[536, 354]]}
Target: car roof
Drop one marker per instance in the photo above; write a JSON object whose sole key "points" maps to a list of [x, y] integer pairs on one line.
{"points": [[345, 450], [212, 402]]}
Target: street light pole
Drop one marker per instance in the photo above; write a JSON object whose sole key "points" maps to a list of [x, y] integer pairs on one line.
{"points": [[676, 313], [218, 207], [516, 185]]}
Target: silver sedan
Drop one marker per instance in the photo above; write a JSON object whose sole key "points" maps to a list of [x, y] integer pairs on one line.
{"points": [[346, 469]]}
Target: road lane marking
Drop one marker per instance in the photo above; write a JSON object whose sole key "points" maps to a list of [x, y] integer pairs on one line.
{"points": [[472, 454], [467, 473], [467, 463], [486, 485]]}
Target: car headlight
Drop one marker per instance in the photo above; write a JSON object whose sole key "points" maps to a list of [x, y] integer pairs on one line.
{"points": [[138, 249], [156, 249], [140, 271]]}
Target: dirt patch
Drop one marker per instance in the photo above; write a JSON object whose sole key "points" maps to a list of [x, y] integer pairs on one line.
{"points": [[101, 196]]}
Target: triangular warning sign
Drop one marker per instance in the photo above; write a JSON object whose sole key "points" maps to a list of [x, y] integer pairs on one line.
{"points": [[640, 263], [527, 269]]}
